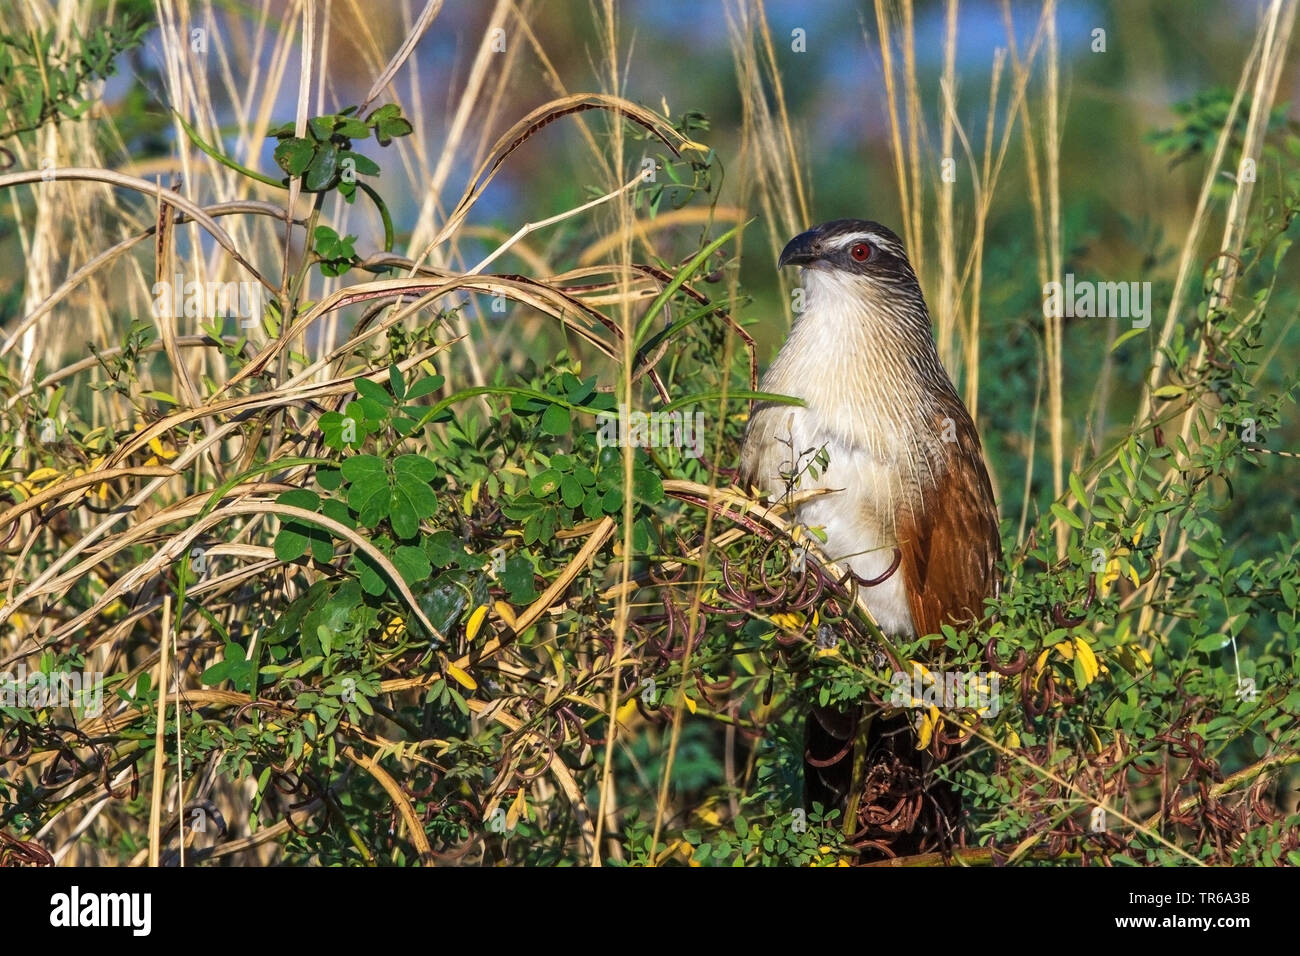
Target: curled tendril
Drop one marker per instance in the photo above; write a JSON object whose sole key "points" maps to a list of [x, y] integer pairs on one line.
{"points": [[1019, 660], [16, 852], [1058, 609]]}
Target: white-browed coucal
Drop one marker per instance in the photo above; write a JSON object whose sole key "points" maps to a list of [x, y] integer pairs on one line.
{"points": [[906, 473]]}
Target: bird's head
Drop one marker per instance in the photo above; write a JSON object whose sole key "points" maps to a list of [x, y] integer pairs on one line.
{"points": [[861, 265], [856, 247]]}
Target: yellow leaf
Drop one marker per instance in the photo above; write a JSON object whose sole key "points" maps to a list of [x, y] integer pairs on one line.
{"points": [[557, 662], [156, 445], [626, 710], [475, 622], [1066, 650], [788, 621], [1088, 659], [506, 613], [707, 815], [461, 677], [1096, 741], [100, 490], [1040, 668], [1013, 739], [690, 704], [1114, 568], [929, 720], [518, 808], [44, 474]]}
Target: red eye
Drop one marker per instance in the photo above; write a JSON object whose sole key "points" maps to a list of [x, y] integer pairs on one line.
{"points": [[860, 252]]}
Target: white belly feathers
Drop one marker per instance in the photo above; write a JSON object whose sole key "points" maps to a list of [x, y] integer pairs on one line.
{"points": [[857, 515]]}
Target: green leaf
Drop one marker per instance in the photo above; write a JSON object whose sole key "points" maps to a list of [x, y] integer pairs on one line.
{"points": [[322, 172], [388, 111], [294, 155], [425, 386], [215, 674], [1125, 337], [351, 128], [402, 514], [1211, 643], [373, 507], [543, 485], [571, 492], [647, 486], [577, 391], [371, 579], [518, 580], [363, 165], [326, 242], [362, 466], [389, 128], [443, 549], [300, 498], [412, 563], [1069, 517], [321, 127], [375, 392], [416, 467], [322, 545], [421, 496], [555, 420], [338, 510], [291, 543], [1076, 487]]}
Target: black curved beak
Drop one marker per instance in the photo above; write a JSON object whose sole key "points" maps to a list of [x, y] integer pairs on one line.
{"points": [[802, 250]]}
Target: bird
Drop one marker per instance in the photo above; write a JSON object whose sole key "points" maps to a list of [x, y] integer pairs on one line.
{"points": [[903, 482]]}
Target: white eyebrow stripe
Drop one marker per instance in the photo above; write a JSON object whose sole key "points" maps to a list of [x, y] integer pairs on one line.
{"points": [[843, 242]]}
